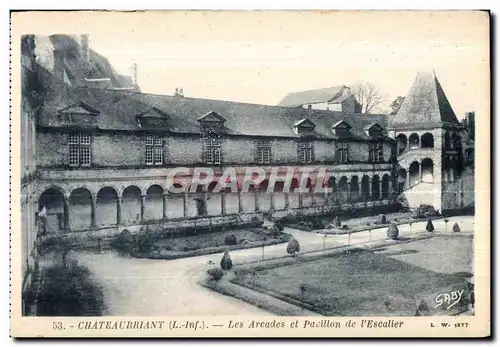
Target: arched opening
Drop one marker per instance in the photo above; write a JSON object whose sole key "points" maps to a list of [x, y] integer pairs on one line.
{"points": [[375, 188], [106, 207], [80, 209], [427, 170], [332, 183], [195, 203], [279, 195], [214, 199], [294, 196], [402, 177], [343, 189], [401, 142], [264, 196], [354, 189], [131, 205], [414, 141], [385, 187], [447, 140], [154, 203], [175, 201], [53, 202], [427, 140], [365, 188], [414, 174], [307, 198]]}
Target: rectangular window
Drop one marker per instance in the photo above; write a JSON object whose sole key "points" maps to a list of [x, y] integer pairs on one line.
{"points": [[263, 151], [212, 148], [154, 150], [342, 153], [376, 152], [305, 151], [80, 149]]}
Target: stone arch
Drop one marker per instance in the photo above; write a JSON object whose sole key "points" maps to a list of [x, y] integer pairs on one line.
{"points": [[355, 189], [52, 199], [427, 168], [264, 196], [343, 189], [402, 179], [386, 186], [414, 172], [131, 205], [153, 209], [427, 140], [414, 141], [401, 143], [365, 188], [375, 187], [81, 209], [106, 206], [175, 200]]}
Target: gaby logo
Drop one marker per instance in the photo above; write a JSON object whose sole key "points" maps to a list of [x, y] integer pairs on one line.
{"points": [[449, 299], [297, 180]]}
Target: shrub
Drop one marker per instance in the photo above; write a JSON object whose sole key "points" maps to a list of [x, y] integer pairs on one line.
{"points": [[125, 242], [429, 227], [215, 273], [426, 211], [255, 222], [318, 224], [456, 228], [393, 231], [230, 240], [274, 232], [70, 291], [337, 222], [382, 219], [226, 263], [145, 242], [293, 247], [345, 226], [280, 226]]}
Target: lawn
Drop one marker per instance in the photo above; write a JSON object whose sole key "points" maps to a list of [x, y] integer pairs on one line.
{"points": [[384, 283]]}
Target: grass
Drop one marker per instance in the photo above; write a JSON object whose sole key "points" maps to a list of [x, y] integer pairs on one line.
{"points": [[383, 283]]}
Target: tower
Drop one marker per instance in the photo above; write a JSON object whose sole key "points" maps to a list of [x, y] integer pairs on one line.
{"points": [[429, 144]]}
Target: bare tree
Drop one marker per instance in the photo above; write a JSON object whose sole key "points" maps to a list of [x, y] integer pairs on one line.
{"points": [[396, 104], [368, 96]]}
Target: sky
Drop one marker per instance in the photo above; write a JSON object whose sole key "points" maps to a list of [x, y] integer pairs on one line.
{"points": [[259, 57]]}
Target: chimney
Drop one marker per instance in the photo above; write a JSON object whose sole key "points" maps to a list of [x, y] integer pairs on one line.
{"points": [[179, 92], [85, 47]]}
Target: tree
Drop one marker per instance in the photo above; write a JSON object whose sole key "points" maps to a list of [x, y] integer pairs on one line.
{"points": [[368, 96], [230, 240], [393, 231], [293, 247], [396, 104], [215, 273], [430, 226], [226, 263], [337, 222]]}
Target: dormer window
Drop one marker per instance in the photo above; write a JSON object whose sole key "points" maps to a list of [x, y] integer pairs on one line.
{"points": [[374, 130], [153, 118], [212, 128], [212, 121], [79, 114], [341, 129], [304, 127]]}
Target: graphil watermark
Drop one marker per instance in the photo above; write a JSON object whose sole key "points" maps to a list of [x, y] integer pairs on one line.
{"points": [[243, 180]]}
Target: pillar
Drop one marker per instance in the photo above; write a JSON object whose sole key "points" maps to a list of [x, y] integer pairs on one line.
{"points": [[349, 192], [257, 206], [223, 202], [419, 172], [92, 213], [205, 201], [379, 189], [313, 197], [300, 200], [164, 206], [287, 200], [389, 190], [185, 204], [143, 207], [408, 178], [370, 190], [240, 203], [119, 202], [66, 215], [271, 202]]}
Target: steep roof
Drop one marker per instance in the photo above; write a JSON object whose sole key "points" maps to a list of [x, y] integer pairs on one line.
{"points": [[310, 96], [118, 110], [425, 105]]}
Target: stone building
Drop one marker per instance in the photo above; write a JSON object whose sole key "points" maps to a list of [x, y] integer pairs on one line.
{"points": [[338, 98], [104, 150]]}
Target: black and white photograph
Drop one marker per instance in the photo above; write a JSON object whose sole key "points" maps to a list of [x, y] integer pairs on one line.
{"points": [[317, 165]]}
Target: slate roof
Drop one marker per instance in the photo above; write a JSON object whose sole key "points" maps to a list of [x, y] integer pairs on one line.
{"points": [[118, 110], [311, 96], [425, 105]]}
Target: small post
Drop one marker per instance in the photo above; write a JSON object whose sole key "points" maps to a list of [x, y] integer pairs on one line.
{"points": [[263, 252], [410, 226], [349, 238], [99, 245], [370, 231], [324, 241], [253, 275]]}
